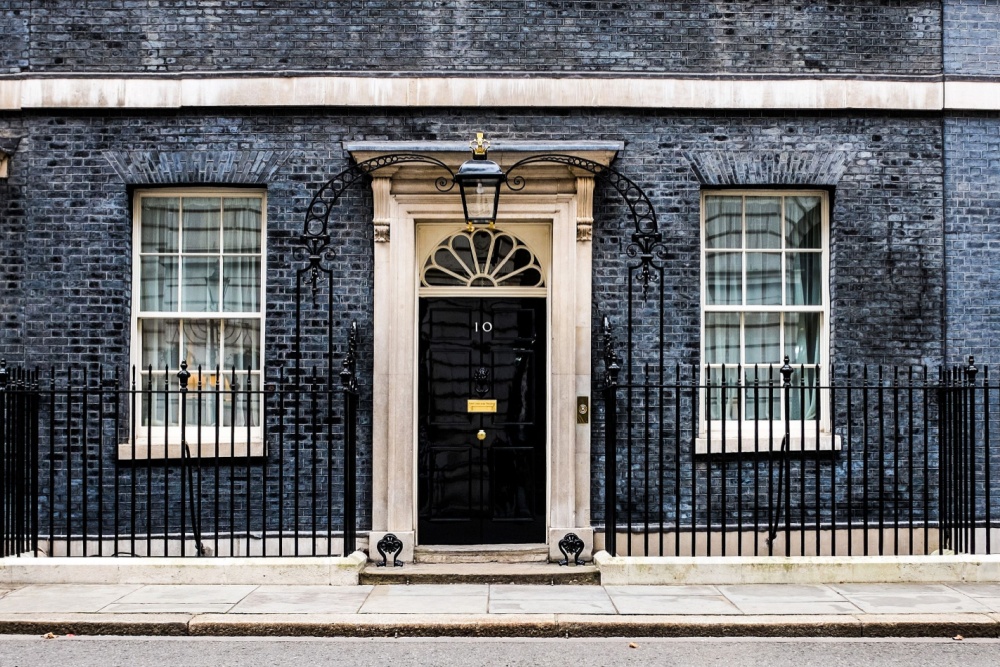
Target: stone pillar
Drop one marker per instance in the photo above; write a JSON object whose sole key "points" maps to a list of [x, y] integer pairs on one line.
{"points": [[392, 503]]}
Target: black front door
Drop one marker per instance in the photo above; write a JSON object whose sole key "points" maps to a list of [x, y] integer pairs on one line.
{"points": [[481, 449]]}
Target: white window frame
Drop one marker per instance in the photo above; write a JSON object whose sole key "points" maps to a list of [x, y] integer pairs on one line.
{"points": [[741, 436], [164, 442]]}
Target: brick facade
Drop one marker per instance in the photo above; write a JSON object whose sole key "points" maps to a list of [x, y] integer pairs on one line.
{"points": [[897, 37], [913, 195], [971, 47], [972, 188]]}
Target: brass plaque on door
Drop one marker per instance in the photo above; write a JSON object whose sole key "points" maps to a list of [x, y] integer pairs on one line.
{"points": [[482, 405]]}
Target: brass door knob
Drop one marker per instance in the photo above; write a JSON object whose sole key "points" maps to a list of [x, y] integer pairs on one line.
{"points": [[481, 435]]}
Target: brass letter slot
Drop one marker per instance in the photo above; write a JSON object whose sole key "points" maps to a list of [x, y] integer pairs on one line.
{"points": [[482, 405]]}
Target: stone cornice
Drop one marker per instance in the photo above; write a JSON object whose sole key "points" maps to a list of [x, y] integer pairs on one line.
{"points": [[465, 91]]}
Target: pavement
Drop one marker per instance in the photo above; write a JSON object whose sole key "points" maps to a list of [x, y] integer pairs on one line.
{"points": [[502, 610]]}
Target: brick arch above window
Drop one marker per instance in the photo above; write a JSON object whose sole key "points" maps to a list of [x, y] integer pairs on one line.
{"points": [[197, 167], [768, 167]]}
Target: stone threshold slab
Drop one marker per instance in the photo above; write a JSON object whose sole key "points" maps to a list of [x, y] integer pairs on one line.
{"points": [[487, 625], [482, 573], [719, 570]]}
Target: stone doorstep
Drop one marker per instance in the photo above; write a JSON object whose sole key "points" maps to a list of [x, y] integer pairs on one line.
{"points": [[481, 553], [538, 573]]}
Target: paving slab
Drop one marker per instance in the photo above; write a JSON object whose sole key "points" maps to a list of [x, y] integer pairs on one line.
{"points": [[64, 598], [985, 594], [774, 592], [188, 594], [670, 600], [519, 599], [304, 600], [503, 610], [807, 599], [428, 599], [167, 608], [977, 590], [908, 599], [993, 604]]}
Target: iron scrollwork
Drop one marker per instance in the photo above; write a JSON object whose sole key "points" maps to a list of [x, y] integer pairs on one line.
{"points": [[316, 230], [390, 544], [647, 240], [571, 544]]}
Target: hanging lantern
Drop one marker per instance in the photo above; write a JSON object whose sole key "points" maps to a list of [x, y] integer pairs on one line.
{"points": [[479, 180]]}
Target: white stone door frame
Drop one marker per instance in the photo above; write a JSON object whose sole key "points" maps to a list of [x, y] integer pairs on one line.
{"points": [[556, 196]]}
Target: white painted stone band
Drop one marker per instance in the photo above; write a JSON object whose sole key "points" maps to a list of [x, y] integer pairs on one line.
{"points": [[578, 92], [332, 570], [716, 570]]}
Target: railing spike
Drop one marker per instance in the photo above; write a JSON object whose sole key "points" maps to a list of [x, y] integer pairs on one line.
{"points": [[971, 370], [786, 373]]}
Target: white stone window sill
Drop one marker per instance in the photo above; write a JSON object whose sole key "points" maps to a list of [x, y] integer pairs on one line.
{"points": [[763, 444], [168, 449]]}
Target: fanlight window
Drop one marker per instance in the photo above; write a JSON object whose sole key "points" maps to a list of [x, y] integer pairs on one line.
{"points": [[482, 258]]}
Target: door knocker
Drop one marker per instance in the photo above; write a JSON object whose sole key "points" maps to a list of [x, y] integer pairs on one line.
{"points": [[482, 378]]}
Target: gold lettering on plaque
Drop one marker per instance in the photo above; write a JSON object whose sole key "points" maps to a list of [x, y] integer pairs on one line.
{"points": [[482, 405]]}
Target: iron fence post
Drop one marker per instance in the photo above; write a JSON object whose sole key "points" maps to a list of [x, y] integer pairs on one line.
{"points": [[786, 462], [4, 453], [349, 382], [970, 386], [612, 367]]}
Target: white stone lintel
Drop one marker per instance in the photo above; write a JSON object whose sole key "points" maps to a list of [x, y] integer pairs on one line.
{"points": [[254, 89]]}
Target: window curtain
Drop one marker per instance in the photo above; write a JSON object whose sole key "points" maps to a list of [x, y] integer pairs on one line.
{"points": [[241, 273], [804, 287]]}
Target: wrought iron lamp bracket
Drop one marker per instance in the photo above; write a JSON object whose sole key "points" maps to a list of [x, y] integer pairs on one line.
{"points": [[316, 230], [647, 240]]}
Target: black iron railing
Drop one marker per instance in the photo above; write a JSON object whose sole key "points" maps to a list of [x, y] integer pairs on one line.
{"points": [[182, 462], [19, 406], [791, 460]]}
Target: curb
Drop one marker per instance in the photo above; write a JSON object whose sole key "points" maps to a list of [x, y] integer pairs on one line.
{"points": [[968, 625]]}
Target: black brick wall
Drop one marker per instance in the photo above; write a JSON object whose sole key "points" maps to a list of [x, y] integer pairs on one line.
{"points": [[973, 235], [12, 248], [889, 37], [14, 20], [972, 37], [886, 218], [887, 262]]}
